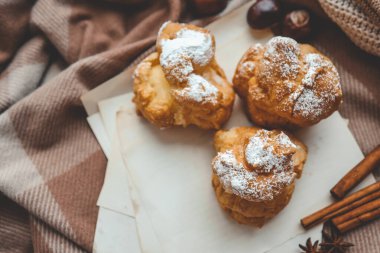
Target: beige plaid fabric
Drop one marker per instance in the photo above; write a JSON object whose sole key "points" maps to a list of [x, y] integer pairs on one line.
{"points": [[51, 167], [50, 162]]}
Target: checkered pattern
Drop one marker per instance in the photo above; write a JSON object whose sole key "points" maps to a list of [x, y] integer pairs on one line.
{"points": [[51, 167]]}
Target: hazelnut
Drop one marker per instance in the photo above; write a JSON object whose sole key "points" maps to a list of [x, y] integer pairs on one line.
{"points": [[202, 8], [263, 14], [297, 25]]}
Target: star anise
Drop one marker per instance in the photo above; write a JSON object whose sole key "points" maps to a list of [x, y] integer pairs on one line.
{"points": [[332, 240], [310, 247]]}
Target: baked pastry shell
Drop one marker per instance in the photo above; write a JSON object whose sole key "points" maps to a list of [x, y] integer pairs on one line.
{"points": [[265, 98], [255, 212], [154, 99]]}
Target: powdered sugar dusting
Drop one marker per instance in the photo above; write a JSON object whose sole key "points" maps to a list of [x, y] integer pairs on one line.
{"points": [[199, 46], [282, 53], [261, 154], [314, 62], [178, 57], [247, 68], [248, 184], [301, 85], [187, 48], [285, 141], [256, 48], [308, 103], [199, 89]]}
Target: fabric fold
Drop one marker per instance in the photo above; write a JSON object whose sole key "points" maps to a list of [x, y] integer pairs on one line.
{"points": [[51, 164]]}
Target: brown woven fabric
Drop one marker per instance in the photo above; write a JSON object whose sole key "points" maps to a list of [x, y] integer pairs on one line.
{"points": [[14, 222], [359, 19], [375, 4], [50, 163]]}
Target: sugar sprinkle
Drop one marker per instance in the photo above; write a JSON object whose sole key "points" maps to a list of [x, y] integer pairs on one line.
{"points": [[260, 151], [307, 102], [282, 53], [248, 184], [198, 89], [178, 57]]}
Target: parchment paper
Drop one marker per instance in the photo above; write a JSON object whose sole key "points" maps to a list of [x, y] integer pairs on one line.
{"points": [[97, 126], [116, 233]]}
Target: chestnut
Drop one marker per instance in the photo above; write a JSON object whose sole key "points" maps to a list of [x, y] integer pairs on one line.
{"points": [[202, 8], [263, 14], [297, 25]]}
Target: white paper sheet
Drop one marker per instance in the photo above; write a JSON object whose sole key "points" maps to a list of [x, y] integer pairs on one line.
{"points": [[115, 194], [172, 173], [116, 233], [108, 109], [115, 180], [120, 194], [116, 228], [96, 123]]}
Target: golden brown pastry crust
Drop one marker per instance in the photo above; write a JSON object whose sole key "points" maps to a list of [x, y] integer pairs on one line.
{"points": [[247, 212], [249, 194], [286, 85], [164, 88]]}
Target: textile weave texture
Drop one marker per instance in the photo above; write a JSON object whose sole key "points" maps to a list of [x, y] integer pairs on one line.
{"points": [[359, 19], [51, 166]]}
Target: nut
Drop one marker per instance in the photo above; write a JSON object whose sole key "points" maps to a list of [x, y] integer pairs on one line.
{"points": [[263, 14], [297, 25]]}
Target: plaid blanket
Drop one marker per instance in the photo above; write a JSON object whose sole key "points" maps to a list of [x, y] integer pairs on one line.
{"points": [[51, 167], [50, 162]]}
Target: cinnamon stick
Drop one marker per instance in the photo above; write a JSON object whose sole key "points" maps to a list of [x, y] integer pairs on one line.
{"points": [[359, 202], [354, 200], [358, 221], [370, 206], [358, 216], [357, 174]]}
